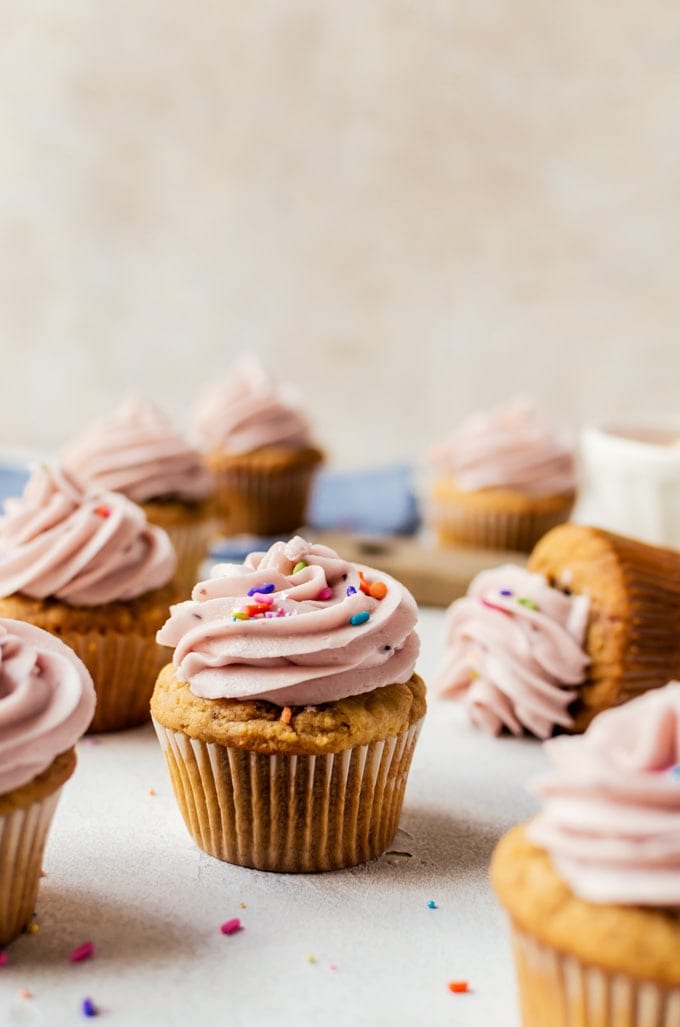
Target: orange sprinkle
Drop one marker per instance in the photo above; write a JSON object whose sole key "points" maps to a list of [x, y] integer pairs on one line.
{"points": [[25, 993], [151, 791], [458, 987], [378, 589], [286, 715]]}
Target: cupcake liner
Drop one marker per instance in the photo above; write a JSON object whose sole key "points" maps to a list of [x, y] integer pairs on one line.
{"points": [[192, 544], [262, 501], [23, 835], [558, 990], [124, 669], [291, 814], [494, 529]]}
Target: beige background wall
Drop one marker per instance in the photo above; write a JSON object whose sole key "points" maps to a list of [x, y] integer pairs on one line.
{"points": [[411, 209]]}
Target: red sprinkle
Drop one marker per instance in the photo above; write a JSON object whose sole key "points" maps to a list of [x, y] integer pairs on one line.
{"points": [[103, 511], [4, 958], [82, 952], [492, 606], [325, 593], [231, 926], [458, 987]]}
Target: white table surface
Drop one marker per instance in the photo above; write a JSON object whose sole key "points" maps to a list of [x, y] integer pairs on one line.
{"points": [[124, 873]]}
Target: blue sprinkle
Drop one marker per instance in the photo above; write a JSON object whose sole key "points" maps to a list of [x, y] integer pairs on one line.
{"points": [[264, 590], [503, 592], [88, 1007], [432, 904], [359, 618], [351, 591]]}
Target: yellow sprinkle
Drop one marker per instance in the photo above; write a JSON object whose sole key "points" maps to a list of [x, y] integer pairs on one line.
{"points": [[311, 959], [33, 928], [242, 905]]}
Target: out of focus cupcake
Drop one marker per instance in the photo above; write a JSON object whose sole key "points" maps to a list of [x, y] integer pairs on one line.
{"points": [[291, 710], [502, 480], [592, 884], [593, 622], [46, 703], [89, 568], [258, 447], [138, 452]]}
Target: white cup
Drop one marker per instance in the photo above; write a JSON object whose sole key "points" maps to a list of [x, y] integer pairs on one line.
{"points": [[631, 479]]}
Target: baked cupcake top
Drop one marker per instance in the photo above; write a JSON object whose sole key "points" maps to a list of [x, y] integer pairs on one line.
{"points": [[297, 625], [85, 548], [46, 701], [611, 814], [137, 451], [514, 646], [510, 447], [248, 411]]}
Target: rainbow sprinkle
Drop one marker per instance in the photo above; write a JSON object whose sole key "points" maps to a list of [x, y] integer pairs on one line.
{"points": [[231, 926], [88, 1008], [359, 618], [82, 952], [459, 987], [263, 589], [4, 958], [299, 566], [529, 603], [432, 904]]}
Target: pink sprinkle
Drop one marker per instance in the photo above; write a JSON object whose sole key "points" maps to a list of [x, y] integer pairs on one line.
{"points": [[4, 958], [259, 597], [280, 612], [325, 593], [82, 952], [493, 606], [271, 613], [231, 926], [332, 966]]}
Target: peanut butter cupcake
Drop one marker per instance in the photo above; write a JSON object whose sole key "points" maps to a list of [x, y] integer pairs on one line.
{"points": [[291, 710]]}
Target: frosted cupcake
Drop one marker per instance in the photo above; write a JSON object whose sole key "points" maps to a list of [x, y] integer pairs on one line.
{"points": [[595, 621], [88, 567], [592, 885], [291, 710], [137, 451], [46, 703], [258, 448], [502, 481]]}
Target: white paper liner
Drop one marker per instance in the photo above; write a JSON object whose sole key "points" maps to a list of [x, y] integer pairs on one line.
{"points": [[558, 990], [295, 814], [23, 834]]}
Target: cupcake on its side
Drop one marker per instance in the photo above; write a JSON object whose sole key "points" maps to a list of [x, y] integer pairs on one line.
{"points": [[46, 702], [291, 712], [595, 621], [87, 566], [258, 448], [137, 451], [592, 885], [503, 480]]}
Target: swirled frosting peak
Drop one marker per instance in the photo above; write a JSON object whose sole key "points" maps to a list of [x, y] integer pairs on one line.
{"points": [[296, 625], [249, 411], [514, 651], [611, 814], [85, 548], [46, 701], [510, 447], [137, 451]]}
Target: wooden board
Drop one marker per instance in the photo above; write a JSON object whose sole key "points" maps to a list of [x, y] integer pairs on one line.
{"points": [[435, 576]]}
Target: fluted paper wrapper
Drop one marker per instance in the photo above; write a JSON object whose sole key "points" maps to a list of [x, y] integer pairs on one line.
{"points": [[292, 814], [558, 990], [191, 543], [124, 669], [495, 529], [23, 835], [263, 501]]}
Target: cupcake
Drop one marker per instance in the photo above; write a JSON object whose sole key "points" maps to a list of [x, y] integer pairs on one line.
{"points": [[593, 622], [88, 567], [46, 702], [592, 884], [137, 451], [291, 710], [502, 481], [258, 448]]}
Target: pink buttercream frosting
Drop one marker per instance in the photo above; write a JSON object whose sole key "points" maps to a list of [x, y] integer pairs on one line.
{"points": [[85, 548], [137, 451], [301, 648], [514, 651], [611, 815], [46, 701], [249, 411], [510, 447]]}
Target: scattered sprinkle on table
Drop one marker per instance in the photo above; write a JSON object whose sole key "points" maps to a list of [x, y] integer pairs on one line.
{"points": [[82, 952], [311, 959], [25, 993], [332, 966], [242, 905], [432, 904], [458, 987], [4, 958], [88, 1008], [151, 791], [33, 927], [231, 926]]}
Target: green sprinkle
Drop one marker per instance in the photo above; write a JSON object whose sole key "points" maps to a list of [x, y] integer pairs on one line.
{"points": [[299, 566], [529, 603]]}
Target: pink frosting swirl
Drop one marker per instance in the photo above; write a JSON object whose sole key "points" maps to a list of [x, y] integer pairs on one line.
{"points": [[86, 548], [248, 412], [510, 447], [46, 701], [136, 451], [317, 637], [611, 819], [514, 646]]}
